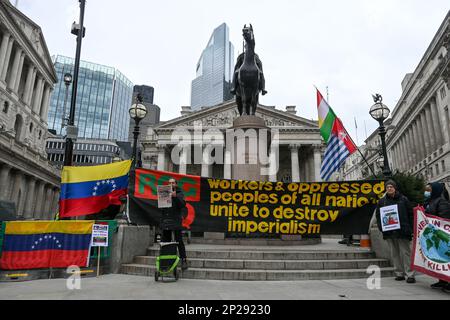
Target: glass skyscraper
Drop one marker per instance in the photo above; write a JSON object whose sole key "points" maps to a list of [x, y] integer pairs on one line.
{"points": [[103, 98], [214, 71]]}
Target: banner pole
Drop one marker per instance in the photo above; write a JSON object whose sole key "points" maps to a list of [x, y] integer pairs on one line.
{"points": [[99, 251]]}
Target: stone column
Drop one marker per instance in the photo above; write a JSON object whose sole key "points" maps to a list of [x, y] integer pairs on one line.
{"points": [[206, 166], [38, 96], [31, 92], [3, 48], [400, 155], [31, 196], [417, 140], [19, 74], [162, 159], [17, 191], [28, 83], [39, 200], [426, 136], [182, 168], [404, 154], [44, 103], [274, 164], [55, 205], [5, 182], [295, 168], [411, 148], [227, 165], [48, 201], [430, 125], [317, 163], [6, 61], [15, 68], [436, 124]]}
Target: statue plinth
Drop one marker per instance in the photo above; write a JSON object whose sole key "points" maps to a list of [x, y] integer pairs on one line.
{"points": [[251, 143], [249, 122]]}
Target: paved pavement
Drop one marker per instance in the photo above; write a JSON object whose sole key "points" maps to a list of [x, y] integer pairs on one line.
{"points": [[127, 287]]}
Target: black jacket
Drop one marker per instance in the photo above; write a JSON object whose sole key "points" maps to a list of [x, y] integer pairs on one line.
{"points": [[405, 212], [437, 205], [171, 218]]}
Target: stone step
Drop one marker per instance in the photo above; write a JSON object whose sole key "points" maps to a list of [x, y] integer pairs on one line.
{"points": [[271, 255], [273, 264], [254, 242], [257, 275]]}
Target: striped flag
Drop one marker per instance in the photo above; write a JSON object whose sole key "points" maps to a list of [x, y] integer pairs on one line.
{"points": [[339, 143]]}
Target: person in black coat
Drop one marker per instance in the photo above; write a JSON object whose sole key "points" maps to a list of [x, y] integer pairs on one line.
{"points": [[437, 205], [171, 221], [399, 240]]}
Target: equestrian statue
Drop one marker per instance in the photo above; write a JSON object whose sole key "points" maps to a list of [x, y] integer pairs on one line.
{"points": [[248, 77]]}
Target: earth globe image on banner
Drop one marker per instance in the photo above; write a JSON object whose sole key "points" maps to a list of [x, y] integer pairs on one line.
{"points": [[435, 244]]}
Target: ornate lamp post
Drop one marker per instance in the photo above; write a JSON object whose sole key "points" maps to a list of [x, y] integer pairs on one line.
{"points": [[137, 111], [380, 112]]}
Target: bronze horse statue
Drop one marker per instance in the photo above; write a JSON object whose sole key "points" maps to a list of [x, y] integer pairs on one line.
{"points": [[248, 79]]}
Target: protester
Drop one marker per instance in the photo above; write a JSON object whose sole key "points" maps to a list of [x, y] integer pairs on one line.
{"points": [[436, 204], [171, 221], [399, 240]]}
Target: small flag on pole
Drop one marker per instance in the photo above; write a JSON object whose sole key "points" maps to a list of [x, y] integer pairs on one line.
{"points": [[339, 143]]}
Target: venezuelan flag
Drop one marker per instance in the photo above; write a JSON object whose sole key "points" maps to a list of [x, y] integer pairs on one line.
{"points": [[88, 190], [46, 244]]}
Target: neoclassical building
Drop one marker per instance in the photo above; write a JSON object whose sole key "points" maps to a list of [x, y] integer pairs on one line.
{"points": [[27, 77], [419, 142], [418, 131], [300, 145]]}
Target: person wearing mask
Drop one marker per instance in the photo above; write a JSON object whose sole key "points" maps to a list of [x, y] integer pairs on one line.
{"points": [[436, 204], [399, 240], [171, 221]]}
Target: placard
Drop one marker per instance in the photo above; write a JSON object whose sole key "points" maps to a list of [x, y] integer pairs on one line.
{"points": [[100, 235], [165, 196], [390, 219]]}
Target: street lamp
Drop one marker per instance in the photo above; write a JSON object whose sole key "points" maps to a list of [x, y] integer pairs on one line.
{"points": [[137, 111], [380, 112], [72, 131], [67, 82]]}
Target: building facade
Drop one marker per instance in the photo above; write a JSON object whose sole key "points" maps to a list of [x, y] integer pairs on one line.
{"points": [[214, 72], [300, 145], [27, 78], [152, 117], [86, 152], [418, 131], [103, 98], [419, 142]]}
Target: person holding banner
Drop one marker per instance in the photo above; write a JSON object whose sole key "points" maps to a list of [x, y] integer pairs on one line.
{"points": [[171, 221], [436, 204], [395, 219]]}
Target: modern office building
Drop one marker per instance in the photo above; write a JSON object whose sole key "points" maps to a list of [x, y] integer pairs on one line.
{"points": [[146, 92], [86, 152], [214, 71], [103, 99], [153, 111]]}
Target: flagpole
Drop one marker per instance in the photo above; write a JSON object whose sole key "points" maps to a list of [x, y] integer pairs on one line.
{"points": [[357, 148]]}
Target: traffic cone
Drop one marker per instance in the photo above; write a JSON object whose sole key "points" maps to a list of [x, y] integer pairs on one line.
{"points": [[365, 241]]}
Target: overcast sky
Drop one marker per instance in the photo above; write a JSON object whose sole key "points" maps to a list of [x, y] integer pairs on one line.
{"points": [[355, 47]]}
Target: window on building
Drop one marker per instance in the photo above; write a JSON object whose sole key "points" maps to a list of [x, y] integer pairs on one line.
{"points": [[437, 169], [31, 127], [443, 165]]}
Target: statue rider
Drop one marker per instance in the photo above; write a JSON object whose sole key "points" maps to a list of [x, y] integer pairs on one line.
{"points": [[239, 62]]}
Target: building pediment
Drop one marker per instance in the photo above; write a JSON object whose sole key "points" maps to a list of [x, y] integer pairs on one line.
{"points": [[222, 116], [31, 33]]}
